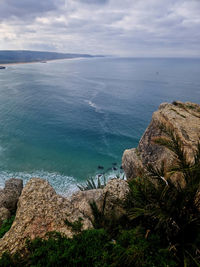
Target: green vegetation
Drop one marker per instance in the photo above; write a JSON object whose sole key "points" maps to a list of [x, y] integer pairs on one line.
{"points": [[75, 226], [91, 184], [168, 206], [93, 248], [161, 228], [6, 226]]}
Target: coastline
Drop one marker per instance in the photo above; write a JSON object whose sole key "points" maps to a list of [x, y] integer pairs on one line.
{"points": [[39, 61]]}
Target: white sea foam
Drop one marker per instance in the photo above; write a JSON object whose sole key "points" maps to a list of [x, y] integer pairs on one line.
{"points": [[93, 105], [64, 185]]}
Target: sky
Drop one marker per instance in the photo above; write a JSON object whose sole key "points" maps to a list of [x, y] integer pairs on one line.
{"points": [[109, 27]]}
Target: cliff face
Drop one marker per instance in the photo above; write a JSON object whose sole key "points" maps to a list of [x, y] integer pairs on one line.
{"points": [[183, 119]]}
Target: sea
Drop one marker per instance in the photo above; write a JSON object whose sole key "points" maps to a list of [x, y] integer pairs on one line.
{"points": [[69, 120]]}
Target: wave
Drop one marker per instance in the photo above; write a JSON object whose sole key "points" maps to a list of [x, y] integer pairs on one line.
{"points": [[64, 185]]}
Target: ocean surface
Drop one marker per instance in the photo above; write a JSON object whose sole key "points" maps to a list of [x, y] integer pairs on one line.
{"points": [[63, 119]]}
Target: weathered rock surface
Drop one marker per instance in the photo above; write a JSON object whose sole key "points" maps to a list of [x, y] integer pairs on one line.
{"points": [[9, 197], [183, 118], [4, 215], [114, 193], [12, 191], [41, 210]]}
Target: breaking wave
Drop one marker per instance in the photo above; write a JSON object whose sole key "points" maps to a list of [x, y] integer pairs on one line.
{"points": [[64, 185]]}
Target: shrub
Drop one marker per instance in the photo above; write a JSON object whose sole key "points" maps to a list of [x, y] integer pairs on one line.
{"points": [[133, 249], [90, 248], [6, 226], [76, 226], [171, 208]]}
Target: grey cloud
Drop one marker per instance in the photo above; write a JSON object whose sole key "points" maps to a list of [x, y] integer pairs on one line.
{"points": [[128, 27], [99, 2], [26, 8]]}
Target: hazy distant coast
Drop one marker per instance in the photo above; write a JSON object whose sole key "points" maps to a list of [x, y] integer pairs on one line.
{"points": [[8, 57], [33, 62]]}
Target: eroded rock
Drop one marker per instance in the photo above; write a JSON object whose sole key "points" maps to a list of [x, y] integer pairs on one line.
{"points": [[113, 194], [183, 119]]}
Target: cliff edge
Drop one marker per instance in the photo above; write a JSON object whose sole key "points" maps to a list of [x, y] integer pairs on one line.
{"points": [[183, 119]]}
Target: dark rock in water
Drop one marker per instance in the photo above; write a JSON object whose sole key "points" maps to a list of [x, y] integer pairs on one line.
{"points": [[114, 164], [100, 167], [2, 68], [114, 169], [121, 168]]}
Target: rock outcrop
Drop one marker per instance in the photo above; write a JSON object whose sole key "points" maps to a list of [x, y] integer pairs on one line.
{"points": [[9, 197], [113, 194], [41, 210], [183, 119]]}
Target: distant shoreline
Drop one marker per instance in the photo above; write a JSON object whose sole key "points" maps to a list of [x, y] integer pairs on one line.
{"points": [[39, 61]]}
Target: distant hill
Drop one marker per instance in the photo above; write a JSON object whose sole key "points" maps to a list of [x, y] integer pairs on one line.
{"points": [[19, 56]]}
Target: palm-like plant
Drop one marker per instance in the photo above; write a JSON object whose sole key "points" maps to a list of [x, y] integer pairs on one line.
{"points": [[171, 208], [91, 184]]}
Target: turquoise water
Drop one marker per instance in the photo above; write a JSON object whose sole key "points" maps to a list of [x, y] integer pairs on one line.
{"points": [[63, 119]]}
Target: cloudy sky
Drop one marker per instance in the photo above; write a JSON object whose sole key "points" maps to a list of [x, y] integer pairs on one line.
{"points": [[118, 27]]}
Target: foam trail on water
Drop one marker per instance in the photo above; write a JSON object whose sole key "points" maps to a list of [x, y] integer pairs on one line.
{"points": [[93, 105]]}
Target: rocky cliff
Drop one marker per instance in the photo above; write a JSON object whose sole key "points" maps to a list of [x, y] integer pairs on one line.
{"points": [[183, 119], [40, 210]]}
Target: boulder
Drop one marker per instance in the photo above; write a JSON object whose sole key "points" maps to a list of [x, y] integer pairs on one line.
{"points": [[114, 193], [183, 119], [81, 199], [12, 191], [9, 197]]}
